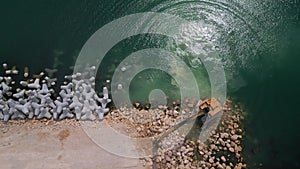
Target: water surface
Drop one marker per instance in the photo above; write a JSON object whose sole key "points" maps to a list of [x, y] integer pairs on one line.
{"points": [[258, 42]]}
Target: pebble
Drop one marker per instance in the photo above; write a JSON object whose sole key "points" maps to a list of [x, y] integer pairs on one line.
{"points": [[239, 166], [234, 137], [222, 142], [190, 105], [224, 135], [223, 159], [235, 126], [168, 158], [220, 166], [211, 160], [238, 148]]}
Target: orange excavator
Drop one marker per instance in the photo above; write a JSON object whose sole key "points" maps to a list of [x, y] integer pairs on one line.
{"points": [[208, 107]]}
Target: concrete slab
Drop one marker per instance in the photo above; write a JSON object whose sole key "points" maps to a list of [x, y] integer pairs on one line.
{"points": [[36, 145]]}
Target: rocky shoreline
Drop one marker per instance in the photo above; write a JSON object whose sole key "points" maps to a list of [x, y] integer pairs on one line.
{"points": [[146, 123], [222, 150]]}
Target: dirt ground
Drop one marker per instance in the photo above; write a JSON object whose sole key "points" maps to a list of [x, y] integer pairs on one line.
{"points": [[54, 145]]}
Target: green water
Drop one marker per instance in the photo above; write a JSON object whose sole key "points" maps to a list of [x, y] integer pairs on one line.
{"points": [[258, 41]]}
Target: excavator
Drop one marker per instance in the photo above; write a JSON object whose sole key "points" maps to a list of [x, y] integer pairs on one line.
{"points": [[203, 110]]}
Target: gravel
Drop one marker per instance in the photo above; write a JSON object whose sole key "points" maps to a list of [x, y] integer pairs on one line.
{"points": [[222, 149]]}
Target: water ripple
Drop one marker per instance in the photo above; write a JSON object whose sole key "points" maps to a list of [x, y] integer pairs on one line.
{"points": [[223, 26]]}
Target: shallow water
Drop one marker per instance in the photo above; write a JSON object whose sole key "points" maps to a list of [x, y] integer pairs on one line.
{"points": [[257, 41]]}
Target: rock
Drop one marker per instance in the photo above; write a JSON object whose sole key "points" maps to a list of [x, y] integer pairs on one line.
{"points": [[168, 158], [220, 166], [160, 106], [224, 135], [223, 159], [222, 142], [232, 132], [158, 159], [190, 105], [212, 146], [233, 144], [120, 87], [234, 137], [230, 126], [231, 149], [239, 166], [238, 148], [211, 160]]}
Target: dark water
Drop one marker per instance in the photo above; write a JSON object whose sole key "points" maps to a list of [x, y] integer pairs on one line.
{"points": [[258, 41]]}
